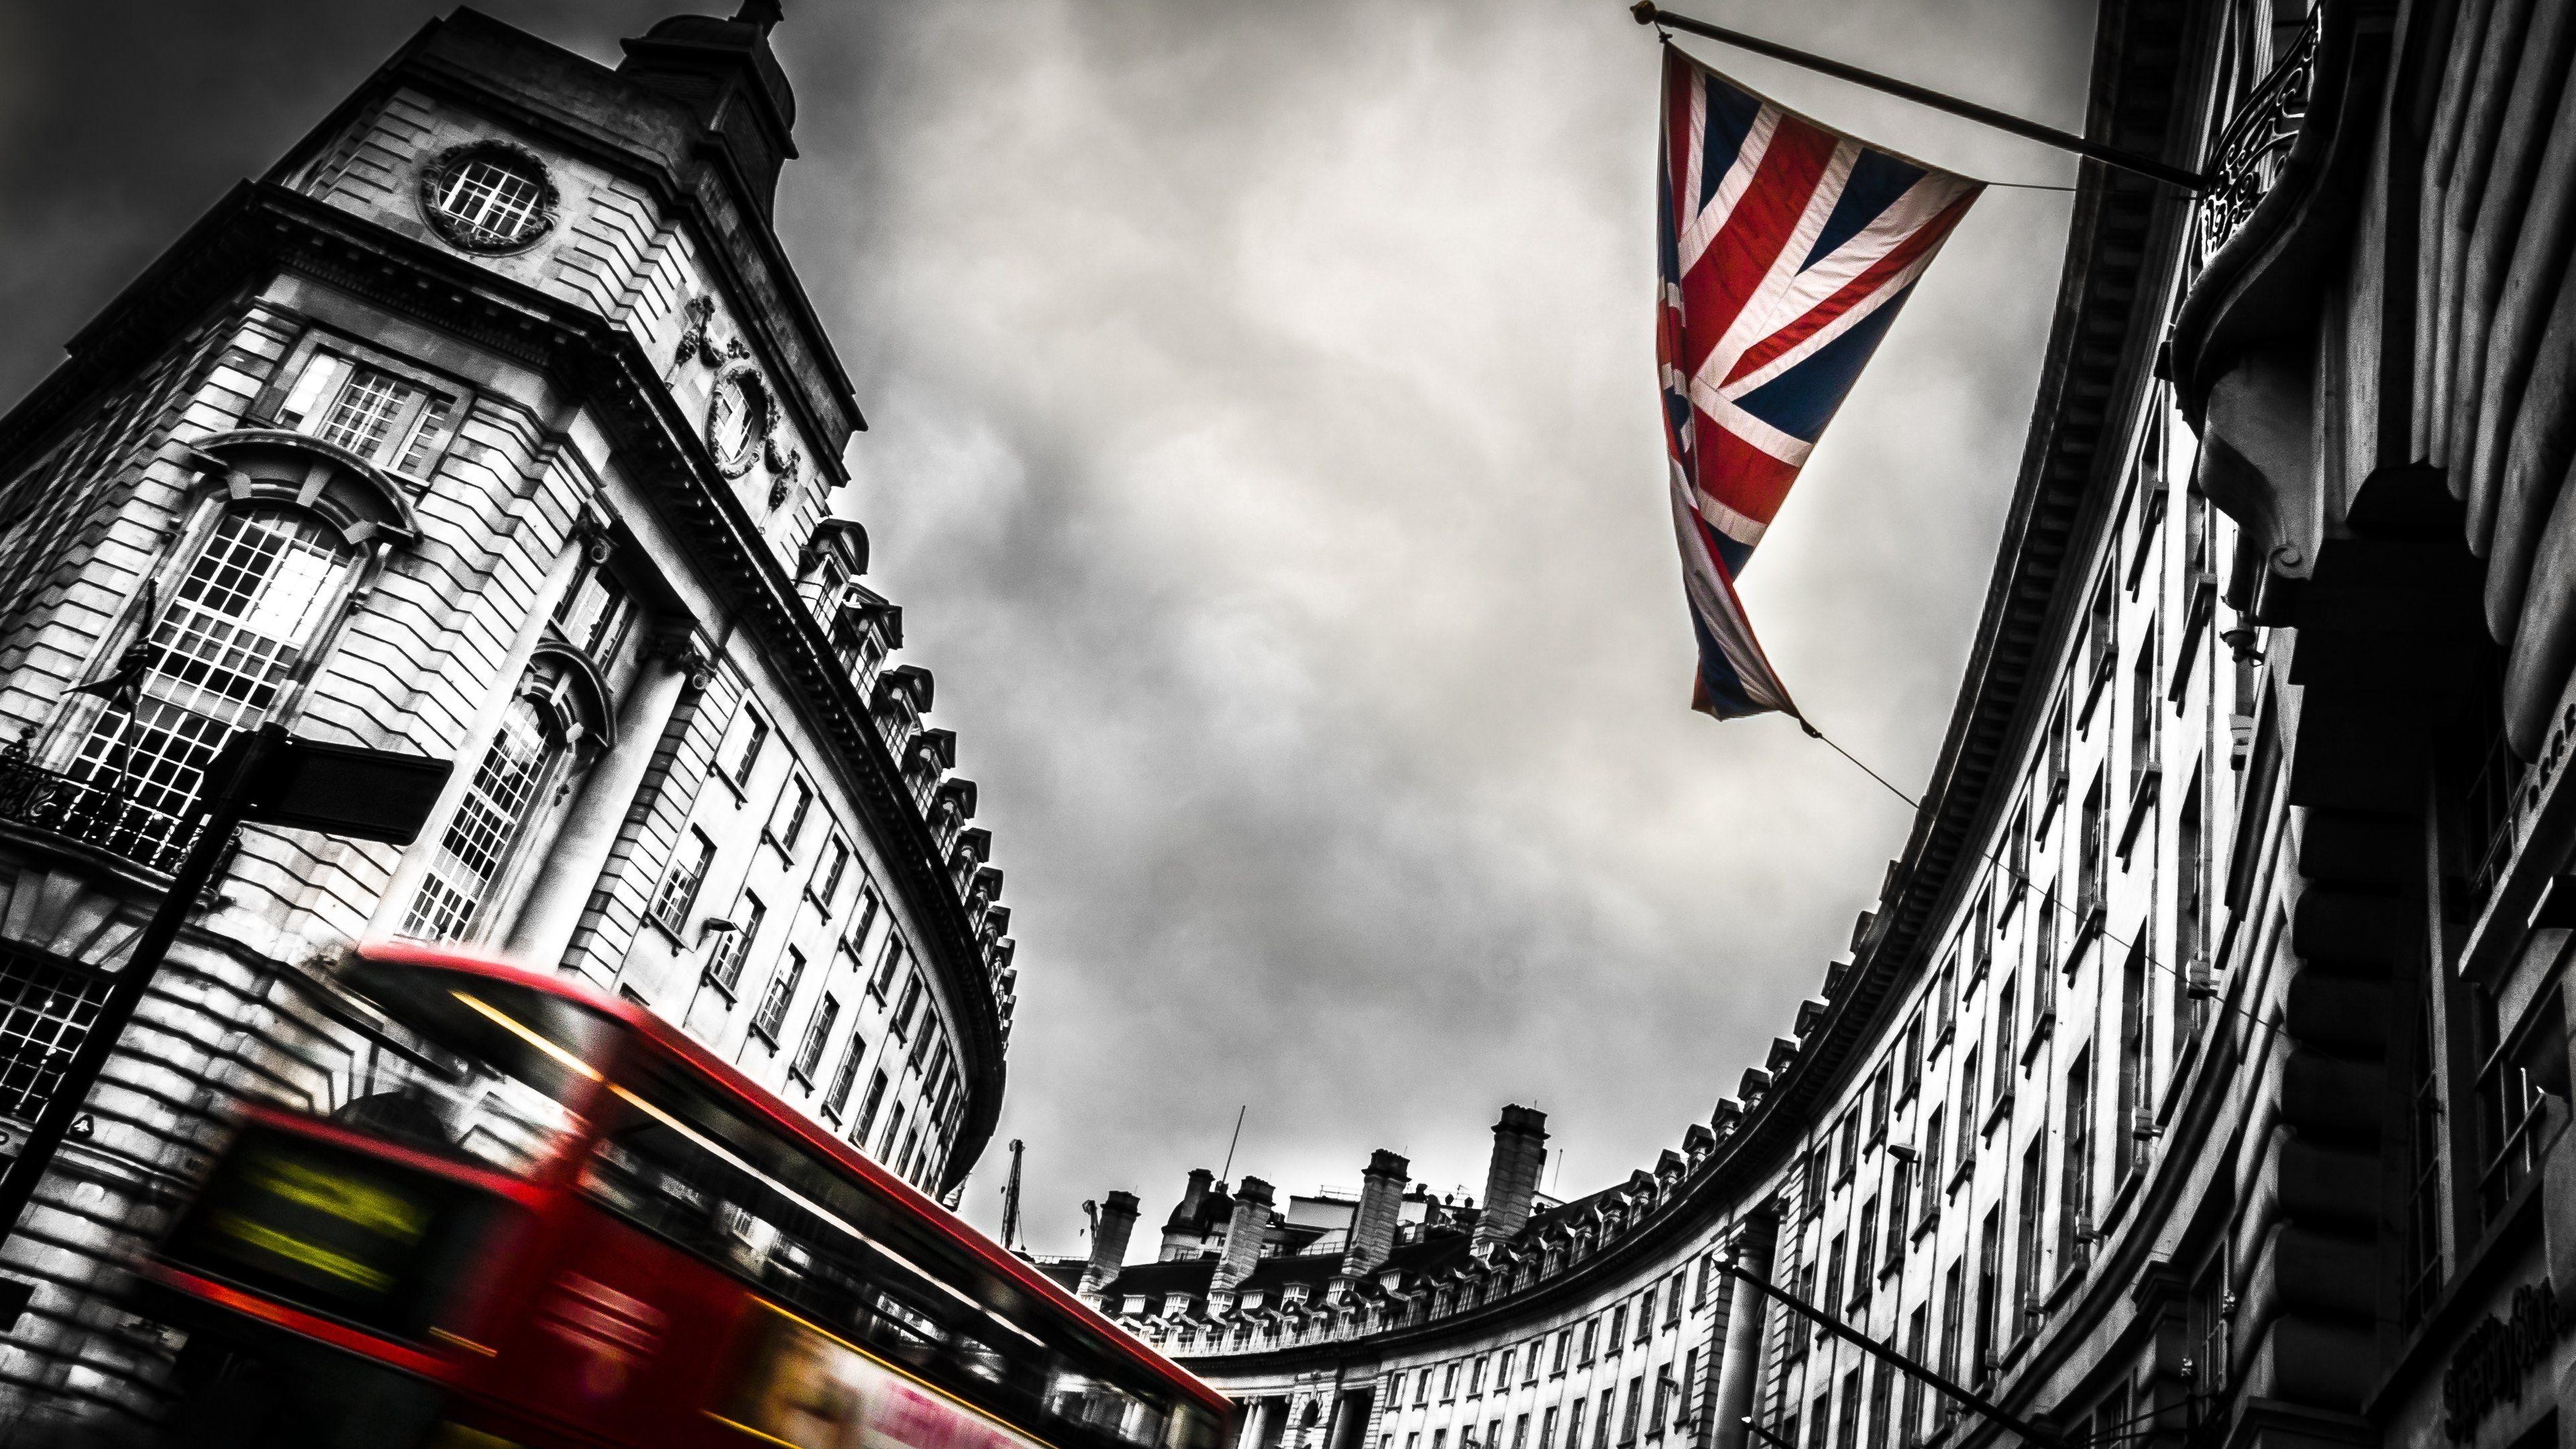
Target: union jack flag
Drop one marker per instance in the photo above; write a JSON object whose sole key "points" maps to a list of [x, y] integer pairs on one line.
{"points": [[1787, 249]]}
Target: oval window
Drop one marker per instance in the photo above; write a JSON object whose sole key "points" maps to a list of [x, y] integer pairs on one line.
{"points": [[488, 197]]}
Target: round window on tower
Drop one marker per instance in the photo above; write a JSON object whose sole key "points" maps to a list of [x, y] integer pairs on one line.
{"points": [[488, 197]]}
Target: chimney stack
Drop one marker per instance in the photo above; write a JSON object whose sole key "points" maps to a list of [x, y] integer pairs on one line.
{"points": [[1109, 1241], [1520, 1150], [1381, 1206], [1244, 1233], [1180, 1233]]}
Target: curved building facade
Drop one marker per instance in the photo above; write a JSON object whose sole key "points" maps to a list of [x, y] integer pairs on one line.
{"points": [[491, 425], [2200, 1074]]}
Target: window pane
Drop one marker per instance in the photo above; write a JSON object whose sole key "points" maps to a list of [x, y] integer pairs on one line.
{"points": [[477, 843], [364, 412], [495, 204], [246, 610]]}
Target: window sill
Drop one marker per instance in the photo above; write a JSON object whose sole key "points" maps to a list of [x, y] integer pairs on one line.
{"points": [[785, 855], [2143, 792], [1908, 1092], [669, 932], [1960, 1174], [741, 797], [2067, 1278], [2093, 691], [2039, 1033], [1948, 1030], [1923, 1224], [2000, 1112], [709, 978]]}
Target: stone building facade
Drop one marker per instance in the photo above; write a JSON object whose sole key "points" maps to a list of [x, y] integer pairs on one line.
{"points": [[2200, 1076], [491, 425]]}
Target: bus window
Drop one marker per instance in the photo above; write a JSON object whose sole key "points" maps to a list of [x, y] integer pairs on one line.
{"points": [[1106, 1409], [502, 1079], [457, 1107], [662, 1167]]}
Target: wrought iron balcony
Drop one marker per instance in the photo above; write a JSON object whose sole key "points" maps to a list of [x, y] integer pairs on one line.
{"points": [[2250, 154], [88, 812]]}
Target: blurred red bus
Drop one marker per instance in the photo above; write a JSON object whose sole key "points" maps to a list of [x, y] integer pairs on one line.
{"points": [[563, 1223]]}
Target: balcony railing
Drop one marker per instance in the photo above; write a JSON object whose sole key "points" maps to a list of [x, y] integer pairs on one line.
{"points": [[95, 815], [2250, 154]]}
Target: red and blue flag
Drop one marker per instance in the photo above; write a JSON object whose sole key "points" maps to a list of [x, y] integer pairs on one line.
{"points": [[1787, 249]]}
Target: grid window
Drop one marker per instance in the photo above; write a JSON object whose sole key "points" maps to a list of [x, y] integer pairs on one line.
{"points": [[836, 864], [45, 1013], [793, 807], [818, 1033], [781, 994], [744, 741], [244, 614], [867, 1106], [426, 435], [889, 962], [494, 204], [724, 968], [477, 843], [595, 611], [844, 1075], [679, 892], [905, 1008], [362, 416]]}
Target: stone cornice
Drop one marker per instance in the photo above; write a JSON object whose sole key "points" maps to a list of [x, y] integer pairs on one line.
{"points": [[261, 228]]}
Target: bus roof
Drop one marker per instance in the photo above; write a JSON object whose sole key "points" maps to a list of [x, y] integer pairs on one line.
{"points": [[672, 1042]]}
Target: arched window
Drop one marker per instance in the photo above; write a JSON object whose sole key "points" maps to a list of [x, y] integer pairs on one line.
{"points": [[557, 708], [239, 622]]}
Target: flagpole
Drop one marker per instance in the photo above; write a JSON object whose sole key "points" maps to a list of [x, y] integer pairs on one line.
{"points": [[1648, 13]]}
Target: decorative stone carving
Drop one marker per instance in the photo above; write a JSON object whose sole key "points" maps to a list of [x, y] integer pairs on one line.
{"points": [[686, 651], [695, 340], [740, 413]]}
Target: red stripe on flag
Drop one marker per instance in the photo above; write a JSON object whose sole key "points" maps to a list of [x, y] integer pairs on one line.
{"points": [[1741, 255], [1681, 84], [1854, 292], [1738, 474]]}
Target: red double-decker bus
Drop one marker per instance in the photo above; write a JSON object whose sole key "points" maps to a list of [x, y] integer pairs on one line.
{"points": [[555, 1220]]}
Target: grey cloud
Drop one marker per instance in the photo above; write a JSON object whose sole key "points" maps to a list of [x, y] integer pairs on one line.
{"points": [[1264, 449]]}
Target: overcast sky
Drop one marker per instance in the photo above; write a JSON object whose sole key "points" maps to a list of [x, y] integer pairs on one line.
{"points": [[1264, 448]]}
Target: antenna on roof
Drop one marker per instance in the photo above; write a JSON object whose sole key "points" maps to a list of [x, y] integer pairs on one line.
{"points": [[1228, 1174]]}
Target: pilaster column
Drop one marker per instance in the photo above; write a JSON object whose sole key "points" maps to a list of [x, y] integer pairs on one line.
{"points": [[1741, 1363], [680, 661], [396, 901]]}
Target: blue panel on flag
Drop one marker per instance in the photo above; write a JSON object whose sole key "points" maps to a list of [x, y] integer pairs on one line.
{"points": [[1730, 118], [1802, 400], [1877, 180]]}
